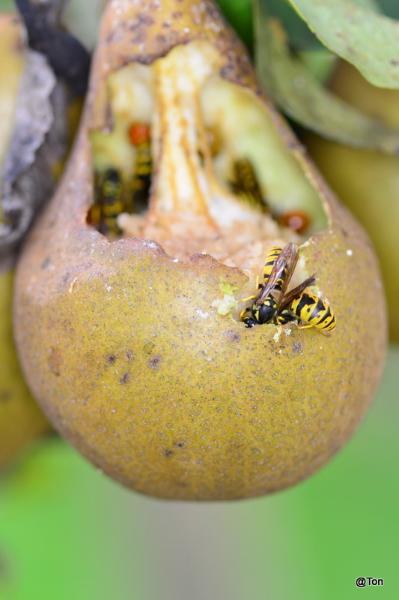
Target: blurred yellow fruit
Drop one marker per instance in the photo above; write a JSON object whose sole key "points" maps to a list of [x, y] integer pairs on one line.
{"points": [[367, 181], [21, 420]]}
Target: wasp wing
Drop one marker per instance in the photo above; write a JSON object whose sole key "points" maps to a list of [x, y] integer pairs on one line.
{"points": [[281, 273], [292, 294]]}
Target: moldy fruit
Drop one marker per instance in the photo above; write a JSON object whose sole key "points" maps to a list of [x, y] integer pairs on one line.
{"points": [[128, 295]]}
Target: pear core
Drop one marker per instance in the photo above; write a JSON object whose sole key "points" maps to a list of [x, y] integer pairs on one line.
{"points": [[191, 206]]}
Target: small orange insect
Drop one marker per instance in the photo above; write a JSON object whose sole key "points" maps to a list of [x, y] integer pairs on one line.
{"points": [[297, 220], [139, 133]]}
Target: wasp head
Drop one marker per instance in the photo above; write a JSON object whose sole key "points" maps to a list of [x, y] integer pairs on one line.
{"points": [[266, 311]]}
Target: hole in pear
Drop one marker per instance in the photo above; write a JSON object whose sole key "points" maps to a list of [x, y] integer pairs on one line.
{"points": [[195, 163]]}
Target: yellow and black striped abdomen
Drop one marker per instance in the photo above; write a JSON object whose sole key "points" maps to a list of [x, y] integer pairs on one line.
{"points": [[109, 201], [246, 186], [313, 311], [143, 160], [270, 261], [141, 179]]}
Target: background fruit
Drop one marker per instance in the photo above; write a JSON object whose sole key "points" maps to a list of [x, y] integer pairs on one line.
{"points": [[367, 181], [21, 421]]}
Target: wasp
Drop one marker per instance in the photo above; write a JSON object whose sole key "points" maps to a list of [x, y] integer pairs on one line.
{"points": [[246, 186], [140, 138], [109, 201], [273, 304]]}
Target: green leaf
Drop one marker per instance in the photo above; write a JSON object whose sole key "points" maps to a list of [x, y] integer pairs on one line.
{"points": [[301, 38], [369, 4], [299, 94], [299, 34], [350, 29], [390, 8]]}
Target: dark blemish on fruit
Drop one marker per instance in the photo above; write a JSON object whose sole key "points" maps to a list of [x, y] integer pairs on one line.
{"points": [[111, 359], [124, 379], [129, 355], [180, 484], [153, 363], [142, 21], [46, 263], [112, 37], [394, 62], [233, 336], [149, 347], [161, 39], [68, 327], [5, 396], [297, 348], [167, 452], [180, 444], [139, 38], [55, 361]]}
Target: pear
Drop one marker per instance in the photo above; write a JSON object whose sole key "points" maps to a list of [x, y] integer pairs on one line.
{"points": [[367, 181], [128, 305]]}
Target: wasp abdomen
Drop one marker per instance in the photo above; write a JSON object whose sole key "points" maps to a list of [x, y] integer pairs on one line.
{"points": [[270, 261], [313, 311], [109, 201], [246, 186]]}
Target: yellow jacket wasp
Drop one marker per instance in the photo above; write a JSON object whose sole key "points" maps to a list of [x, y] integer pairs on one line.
{"points": [[273, 304]]}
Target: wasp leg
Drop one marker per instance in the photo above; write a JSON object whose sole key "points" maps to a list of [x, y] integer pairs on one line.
{"points": [[284, 317], [248, 299], [327, 333]]}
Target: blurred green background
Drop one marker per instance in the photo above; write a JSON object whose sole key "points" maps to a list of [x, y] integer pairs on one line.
{"points": [[67, 532]]}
